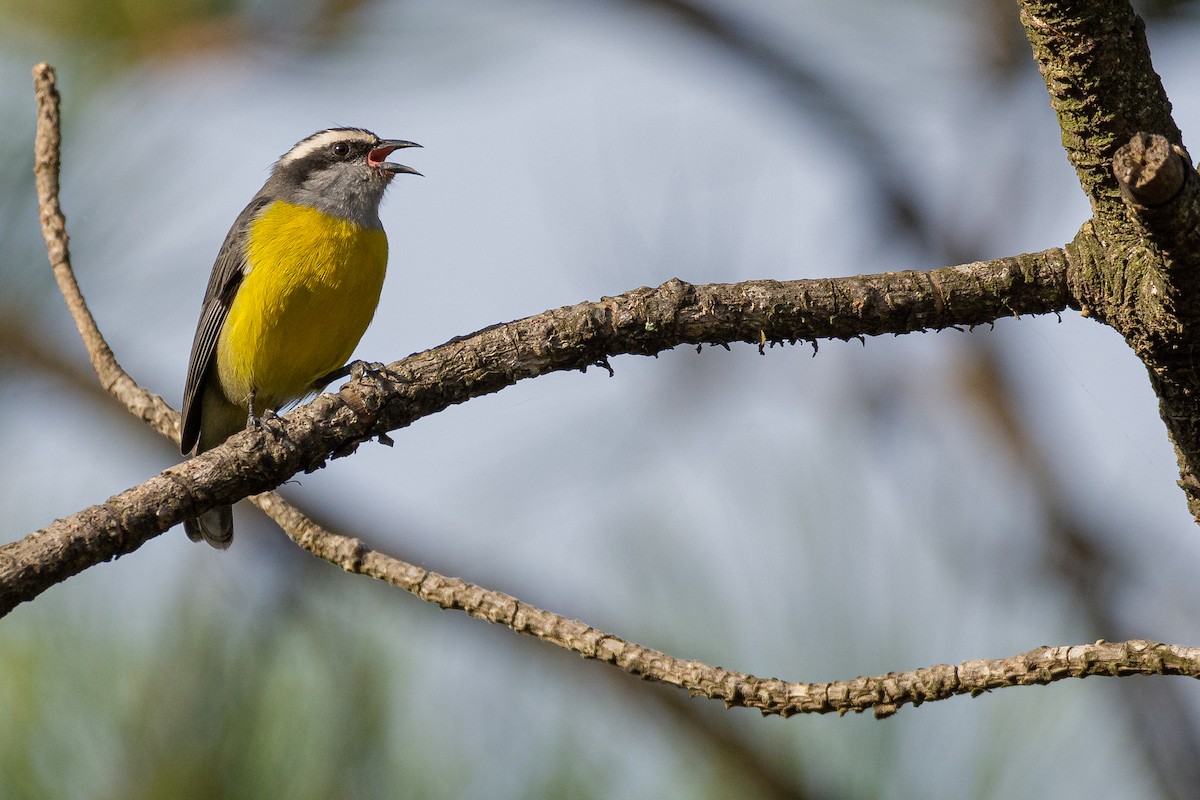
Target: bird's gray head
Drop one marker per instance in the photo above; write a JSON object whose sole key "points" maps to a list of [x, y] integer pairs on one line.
{"points": [[341, 171]]}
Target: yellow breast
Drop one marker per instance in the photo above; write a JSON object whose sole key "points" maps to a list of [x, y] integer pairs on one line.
{"points": [[312, 288]]}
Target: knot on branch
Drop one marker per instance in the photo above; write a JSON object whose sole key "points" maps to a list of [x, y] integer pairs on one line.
{"points": [[1150, 170]]}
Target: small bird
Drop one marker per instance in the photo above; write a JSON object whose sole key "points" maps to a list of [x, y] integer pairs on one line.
{"points": [[293, 289]]}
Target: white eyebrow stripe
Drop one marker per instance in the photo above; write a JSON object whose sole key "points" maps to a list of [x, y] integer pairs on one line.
{"points": [[322, 140]]}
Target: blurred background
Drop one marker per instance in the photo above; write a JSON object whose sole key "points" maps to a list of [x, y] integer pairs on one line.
{"points": [[920, 499]]}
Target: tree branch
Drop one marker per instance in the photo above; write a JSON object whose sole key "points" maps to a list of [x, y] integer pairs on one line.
{"points": [[884, 695], [46, 165], [1162, 192], [646, 322], [1096, 64], [1144, 280]]}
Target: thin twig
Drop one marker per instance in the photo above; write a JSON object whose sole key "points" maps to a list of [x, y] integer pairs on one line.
{"points": [[145, 405], [882, 694]]}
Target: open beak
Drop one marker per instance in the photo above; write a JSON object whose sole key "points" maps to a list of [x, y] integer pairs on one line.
{"points": [[378, 154]]}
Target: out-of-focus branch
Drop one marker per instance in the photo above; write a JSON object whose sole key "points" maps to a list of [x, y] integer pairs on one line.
{"points": [[806, 89]]}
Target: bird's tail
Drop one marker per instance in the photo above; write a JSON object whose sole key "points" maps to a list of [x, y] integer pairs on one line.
{"points": [[214, 526], [219, 419]]}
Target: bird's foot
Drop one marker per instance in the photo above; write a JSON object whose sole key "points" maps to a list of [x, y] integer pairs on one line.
{"points": [[362, 369], [357, 370]]}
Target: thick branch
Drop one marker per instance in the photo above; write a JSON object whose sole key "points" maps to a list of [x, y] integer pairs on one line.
{"points": [[644, 321], [1144, 278], [1162, 191], [1096, 63]]}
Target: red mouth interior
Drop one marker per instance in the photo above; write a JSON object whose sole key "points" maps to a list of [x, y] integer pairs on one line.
{"points": [[379, 155]]}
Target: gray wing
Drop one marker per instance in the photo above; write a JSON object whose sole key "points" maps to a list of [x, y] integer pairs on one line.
{"points": [[223, 283]]}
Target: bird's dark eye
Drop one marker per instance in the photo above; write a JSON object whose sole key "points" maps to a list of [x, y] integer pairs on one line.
{"points": [[341, 149]]}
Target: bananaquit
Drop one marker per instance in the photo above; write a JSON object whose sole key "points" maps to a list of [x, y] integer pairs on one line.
{"points": [[293, 289]]}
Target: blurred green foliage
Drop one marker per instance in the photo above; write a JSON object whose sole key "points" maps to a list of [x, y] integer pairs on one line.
{"points": [[114, 33], [222, 703], [112, 20]]}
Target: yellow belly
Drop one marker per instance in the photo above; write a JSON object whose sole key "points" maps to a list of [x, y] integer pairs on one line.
{"points": [[313, 286]]}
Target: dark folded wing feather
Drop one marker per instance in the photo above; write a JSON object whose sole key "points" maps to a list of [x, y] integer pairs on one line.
{"points": [[223, 283]]}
